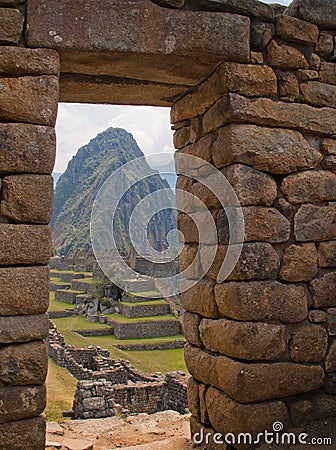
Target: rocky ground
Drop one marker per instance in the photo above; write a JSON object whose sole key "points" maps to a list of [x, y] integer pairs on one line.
{"points": [[166, 430]]}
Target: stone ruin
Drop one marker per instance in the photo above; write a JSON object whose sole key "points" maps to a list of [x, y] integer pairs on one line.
{"points": [[252, 91], [105, 384]]}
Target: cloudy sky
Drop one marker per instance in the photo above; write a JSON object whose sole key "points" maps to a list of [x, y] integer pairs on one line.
{"points": [[78, 123]]}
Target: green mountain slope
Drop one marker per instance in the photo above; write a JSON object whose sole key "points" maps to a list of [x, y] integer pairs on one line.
{"points": [[78, 186]]}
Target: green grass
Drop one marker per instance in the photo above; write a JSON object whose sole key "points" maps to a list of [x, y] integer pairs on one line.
{"points": [[55, 280], [61, 387], [56, 305], [145, 294], [74, 323], [87, 280], [122, 319], [151, 302], [69, 271]]}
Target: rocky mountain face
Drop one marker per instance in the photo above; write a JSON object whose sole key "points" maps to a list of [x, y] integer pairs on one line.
{"points": [[78, 186]]}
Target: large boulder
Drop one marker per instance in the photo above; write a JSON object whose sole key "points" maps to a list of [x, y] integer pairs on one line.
{"points": [[320, 12]]}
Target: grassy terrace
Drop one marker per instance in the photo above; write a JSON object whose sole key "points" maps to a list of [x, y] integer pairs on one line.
{"points": [[123, 319], [58, 272], [145, 294], [151, 302], [56, 305], [74, 323], [56, 280]]}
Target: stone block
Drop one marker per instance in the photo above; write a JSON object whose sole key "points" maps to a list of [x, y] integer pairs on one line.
{"points": [[171, 3], [244, 340], [329, 146], [261, 35], [327, 254], [315, 223], [190, 262], [325, 45], [200, 299], [26, 148], [197, 227], [310, 186], [228, 416], [324, 291], [299, 263], [328, 73], [317, 316], [266, 112], [285, 57], [26, 61], [21, 402], [203, 433], [93, 403], [301, 412], [202, 152], [309, 344], [29, 99], [330, 383], [11, 25], [260, 224], [257, 58], [330, 362], [28, 198], [258, 261], [319, 94], [331, 321], [320, 12], [24, 244], [272, 150], [248, 382], [191, 323], [307, 75], [249, 80], [329, 163], [24, 290], [251, 7], [18, 329], [262, 301], [252, 187], [24, 364], [193, 397], [23, 434], [296, 30], [289, 87], [324, 406]]}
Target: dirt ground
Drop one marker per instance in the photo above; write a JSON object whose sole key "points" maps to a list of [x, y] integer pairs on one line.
{"points": [[166, 430]]}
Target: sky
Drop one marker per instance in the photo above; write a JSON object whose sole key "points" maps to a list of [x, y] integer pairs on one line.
{"points": [[150, 126]]}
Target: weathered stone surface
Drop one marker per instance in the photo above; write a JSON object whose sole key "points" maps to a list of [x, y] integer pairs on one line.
{"points": [[325, 45], [246, 382], [327, 254], [244, 340], [301, 412], [21, 402], [329, 163], [190, 262], [200, 299], [24, 244], [27, 198], [309, 344], [314, 62], [329, 146], [190, 327], [299, 263], [261, 34], [285, 57], [171, 3], [27, 61], [272, 150], [307, 75], [320, 94], [330, 383], [331, 321], [120, 44], [251, 186], [24, 290], [328, 73], [324, 291], [193, 397], [330, 362], [321, 12], [29, 99], [266, 112], [315, 223], [249, 80], [257, 58], [289, 87], [200, 149], [317, 316], [260, 224], [24, 364], [23, 328], [33, 430], [249, 7], [258, 261], [262, 301], [196, 227], [296, 30], [228, 416], [310, 186], [11, 25], [26, 148]]}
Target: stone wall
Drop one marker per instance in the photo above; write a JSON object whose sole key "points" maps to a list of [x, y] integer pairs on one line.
{"points": [[262, 343]]}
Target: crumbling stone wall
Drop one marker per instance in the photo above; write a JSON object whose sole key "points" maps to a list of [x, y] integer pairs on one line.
{"points": [[265, 117]]}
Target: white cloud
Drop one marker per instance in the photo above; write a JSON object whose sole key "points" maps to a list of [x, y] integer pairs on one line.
{"points": [[78, 123]]}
